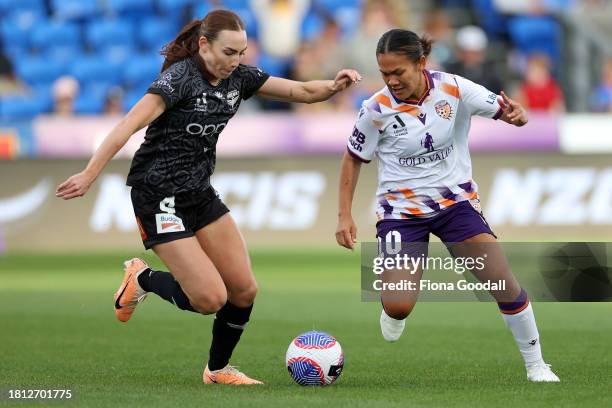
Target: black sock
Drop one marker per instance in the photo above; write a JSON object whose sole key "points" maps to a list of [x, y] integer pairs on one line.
{"points": [[227, 329], [165, 286]]}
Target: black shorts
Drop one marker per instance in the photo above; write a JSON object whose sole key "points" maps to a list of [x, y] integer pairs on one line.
{"points": [[163, 219]]}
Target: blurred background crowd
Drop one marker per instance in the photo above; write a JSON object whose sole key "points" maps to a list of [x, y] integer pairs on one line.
{"points": [[71, 57]]}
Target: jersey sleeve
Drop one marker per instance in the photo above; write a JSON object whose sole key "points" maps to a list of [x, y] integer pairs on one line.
{"points": [[363, 141], [252, 79], [172, 84], [478, 99]]}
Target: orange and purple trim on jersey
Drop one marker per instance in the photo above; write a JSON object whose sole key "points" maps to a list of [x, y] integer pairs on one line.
{"points": [[143, 233], [424, 205], [498, 114], [430, 85], [511, 308], [451, 90]]}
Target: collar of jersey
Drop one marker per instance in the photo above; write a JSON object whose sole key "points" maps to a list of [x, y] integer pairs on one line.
{"points": [[430, 86]]}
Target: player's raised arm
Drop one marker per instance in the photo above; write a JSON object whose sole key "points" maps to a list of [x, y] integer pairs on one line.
{"points": [[144, 112], [286, 90], [346, 232], [513, 112]]}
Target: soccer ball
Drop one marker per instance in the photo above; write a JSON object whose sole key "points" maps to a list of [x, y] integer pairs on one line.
{"points": [[314, 358]]}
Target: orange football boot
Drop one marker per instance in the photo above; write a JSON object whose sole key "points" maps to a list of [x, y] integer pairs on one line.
{"points": [[227, 375], [130, 294]]}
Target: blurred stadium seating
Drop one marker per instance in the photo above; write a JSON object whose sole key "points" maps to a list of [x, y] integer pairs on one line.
{"points": [[109, 43]]}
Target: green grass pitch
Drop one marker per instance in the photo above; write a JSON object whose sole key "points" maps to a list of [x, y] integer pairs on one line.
{"points": [[58, 331]]}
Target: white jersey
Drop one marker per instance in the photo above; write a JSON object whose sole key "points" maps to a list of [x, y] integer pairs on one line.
{"points": [[422, 146]]}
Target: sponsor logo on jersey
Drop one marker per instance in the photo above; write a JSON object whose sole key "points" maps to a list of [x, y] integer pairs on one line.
{"points": [[491, 98], [399, 127], [428, 142], [422, 117], [357, 140], [201, 104], [168, 223], [444, 109], [417, 161], [165, 81], [206, 129]]}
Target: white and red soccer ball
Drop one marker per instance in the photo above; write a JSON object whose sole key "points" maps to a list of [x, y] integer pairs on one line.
{"points": [[314, 358]]}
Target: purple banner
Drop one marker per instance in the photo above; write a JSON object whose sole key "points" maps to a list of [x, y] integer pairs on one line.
{"points": [[284, 134], [540, 134]]}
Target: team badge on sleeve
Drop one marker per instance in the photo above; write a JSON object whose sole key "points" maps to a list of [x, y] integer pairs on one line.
{"points": [[443, 109], [232, 98]]}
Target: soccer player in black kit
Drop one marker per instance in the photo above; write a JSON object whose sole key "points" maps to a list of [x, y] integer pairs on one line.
{"points": [[178, 212]]}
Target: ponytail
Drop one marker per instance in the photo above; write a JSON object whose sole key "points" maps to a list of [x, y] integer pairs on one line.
{"points": [[186, 43], [426, 44]]}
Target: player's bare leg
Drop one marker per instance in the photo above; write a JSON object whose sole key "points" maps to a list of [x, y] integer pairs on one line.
{"points": [[513, 302], [224, 244]]}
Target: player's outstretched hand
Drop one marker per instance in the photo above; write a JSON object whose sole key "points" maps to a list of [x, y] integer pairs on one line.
{"points": [[346, 233], [75, 186], [345, 78], [514, 113]]}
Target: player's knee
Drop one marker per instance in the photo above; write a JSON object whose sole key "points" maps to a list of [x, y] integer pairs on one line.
{"points": [[209, 302], [399, 310], [245, 295]]}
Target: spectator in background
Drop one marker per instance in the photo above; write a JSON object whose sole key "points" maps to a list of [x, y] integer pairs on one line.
{"points": [[438, 27], [327, 48], [10, 85], [321, 56], [601, 100], [113, 104], [539, 90], [471, 59], [279, 25], [377, 17], [65, 90]]}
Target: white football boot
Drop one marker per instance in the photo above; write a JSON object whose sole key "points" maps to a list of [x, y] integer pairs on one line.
{"points": [[541, 372], [391, 328]]}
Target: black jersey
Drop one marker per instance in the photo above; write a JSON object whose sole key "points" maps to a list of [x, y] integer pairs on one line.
{"points": [[179, 151]]}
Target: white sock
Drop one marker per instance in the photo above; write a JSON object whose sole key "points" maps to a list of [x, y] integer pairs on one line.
{"points": [[393, 319], [525, 331]]}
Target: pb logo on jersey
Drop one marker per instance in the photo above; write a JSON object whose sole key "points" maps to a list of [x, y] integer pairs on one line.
{"points": [[168, 223], [357, 139], [444, 109]]}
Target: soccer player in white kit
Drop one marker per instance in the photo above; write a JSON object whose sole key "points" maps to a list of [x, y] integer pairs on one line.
{"points": [[417, 126]]}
